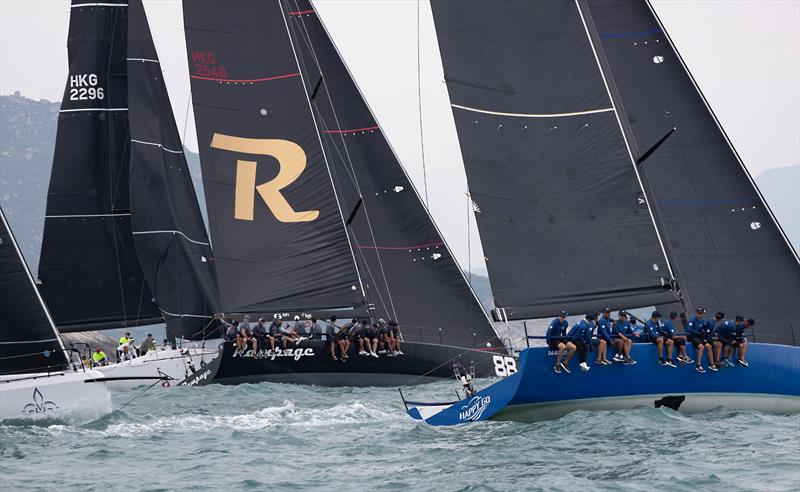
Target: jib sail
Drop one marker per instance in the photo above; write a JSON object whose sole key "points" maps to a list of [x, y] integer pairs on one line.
{"points": [[168, 230], [730, 252], [408, 271], [28, 340]]}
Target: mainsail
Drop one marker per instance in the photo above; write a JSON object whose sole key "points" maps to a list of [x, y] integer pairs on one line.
{"points": [[729, 250], [277, 229], [28, 340], [408, 271], [168, 230], [564, 218], [90, 276]]}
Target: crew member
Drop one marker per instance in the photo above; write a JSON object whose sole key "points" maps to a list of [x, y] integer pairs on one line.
{"points": [[556, 338], [667, 329], [696, 329], [652, 330], [604, 340], [622, 344], [147, 345], [332, 339], [580, 336], [741, 341], [394, 332], [99, 357], [713, 338]]}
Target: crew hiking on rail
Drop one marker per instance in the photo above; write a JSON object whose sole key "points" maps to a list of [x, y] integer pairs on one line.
{"points": [[718, 339]]}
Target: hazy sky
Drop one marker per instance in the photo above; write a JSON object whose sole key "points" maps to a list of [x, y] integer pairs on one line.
{"points": [[745, 55]]}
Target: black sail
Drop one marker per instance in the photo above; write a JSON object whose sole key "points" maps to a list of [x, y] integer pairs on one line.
{"points": [[90, 276], [28, 340], [171, 240], [409, 273], [731, 254], [277, 230], [563, 218]]}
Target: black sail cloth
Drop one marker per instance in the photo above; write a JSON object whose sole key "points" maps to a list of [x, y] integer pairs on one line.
{"points": [[408, 271], [90, 276], [730, 252], [563, 218], [28, 339], [171, 240], [277, 230]]}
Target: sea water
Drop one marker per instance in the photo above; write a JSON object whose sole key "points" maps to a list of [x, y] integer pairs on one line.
{"points": [[288, 437]]}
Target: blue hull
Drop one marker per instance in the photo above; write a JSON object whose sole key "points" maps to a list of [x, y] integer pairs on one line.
{"points": [[771, 383]]}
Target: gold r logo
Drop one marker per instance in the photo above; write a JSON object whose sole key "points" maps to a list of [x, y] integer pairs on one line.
{"points": [[292, 161]]}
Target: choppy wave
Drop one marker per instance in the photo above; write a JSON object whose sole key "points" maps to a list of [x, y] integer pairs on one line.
{"points": [[254, 437]]}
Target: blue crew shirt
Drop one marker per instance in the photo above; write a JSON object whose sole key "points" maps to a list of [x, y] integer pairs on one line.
{"points": [[726, 329], [605, 329], [652, 328], [581, 330], [621, 327], [696, 326], [556, 330], [667, 329]]}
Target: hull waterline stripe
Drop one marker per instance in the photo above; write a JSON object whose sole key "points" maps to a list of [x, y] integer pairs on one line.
{"points": [[84, 216], [246, 81], [99, 5], [400, 248], [91, 109], [154, 144], [354, 130], [170, 232], [143, 60], [532, 115]]}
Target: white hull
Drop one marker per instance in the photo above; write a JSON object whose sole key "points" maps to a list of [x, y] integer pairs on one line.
{"points": [[63, 395], [156, 363], [694, 403]]}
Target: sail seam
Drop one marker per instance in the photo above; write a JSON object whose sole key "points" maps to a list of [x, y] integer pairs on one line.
{"points": [[135, 233], [625, 139], [83, 216], [185, 315], [155, 144], [354, 130], [533, 115], [91, 109], [248, 81], [15, 342], [143, 60], [402, 248], [99, 5]]}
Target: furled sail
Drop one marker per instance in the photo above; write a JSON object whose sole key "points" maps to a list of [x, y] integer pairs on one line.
{"points": [[729, 251], [408, 271], [90, 276], [28, 340], [171, 240], [277, 229], [564, 219]]}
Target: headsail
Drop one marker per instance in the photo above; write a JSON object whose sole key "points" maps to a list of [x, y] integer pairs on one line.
{"points": [[564, 219], [171, 240], [277, 229], [729, 250], [28, 340], [409, 272], [89, 273]]}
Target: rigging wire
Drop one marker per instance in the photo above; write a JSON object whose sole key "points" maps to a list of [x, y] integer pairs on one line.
{"points": [[419, 111]]}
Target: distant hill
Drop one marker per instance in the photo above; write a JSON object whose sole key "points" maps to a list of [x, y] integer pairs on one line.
{"points": [[781, 187]]}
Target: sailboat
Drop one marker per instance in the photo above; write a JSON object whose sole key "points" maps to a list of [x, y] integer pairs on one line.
{"points": [[124, 243], [310, 212], [586, 140], [36, 376]]}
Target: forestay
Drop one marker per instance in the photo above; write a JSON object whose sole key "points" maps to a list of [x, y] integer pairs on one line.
{"points": [[564, 219]]}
